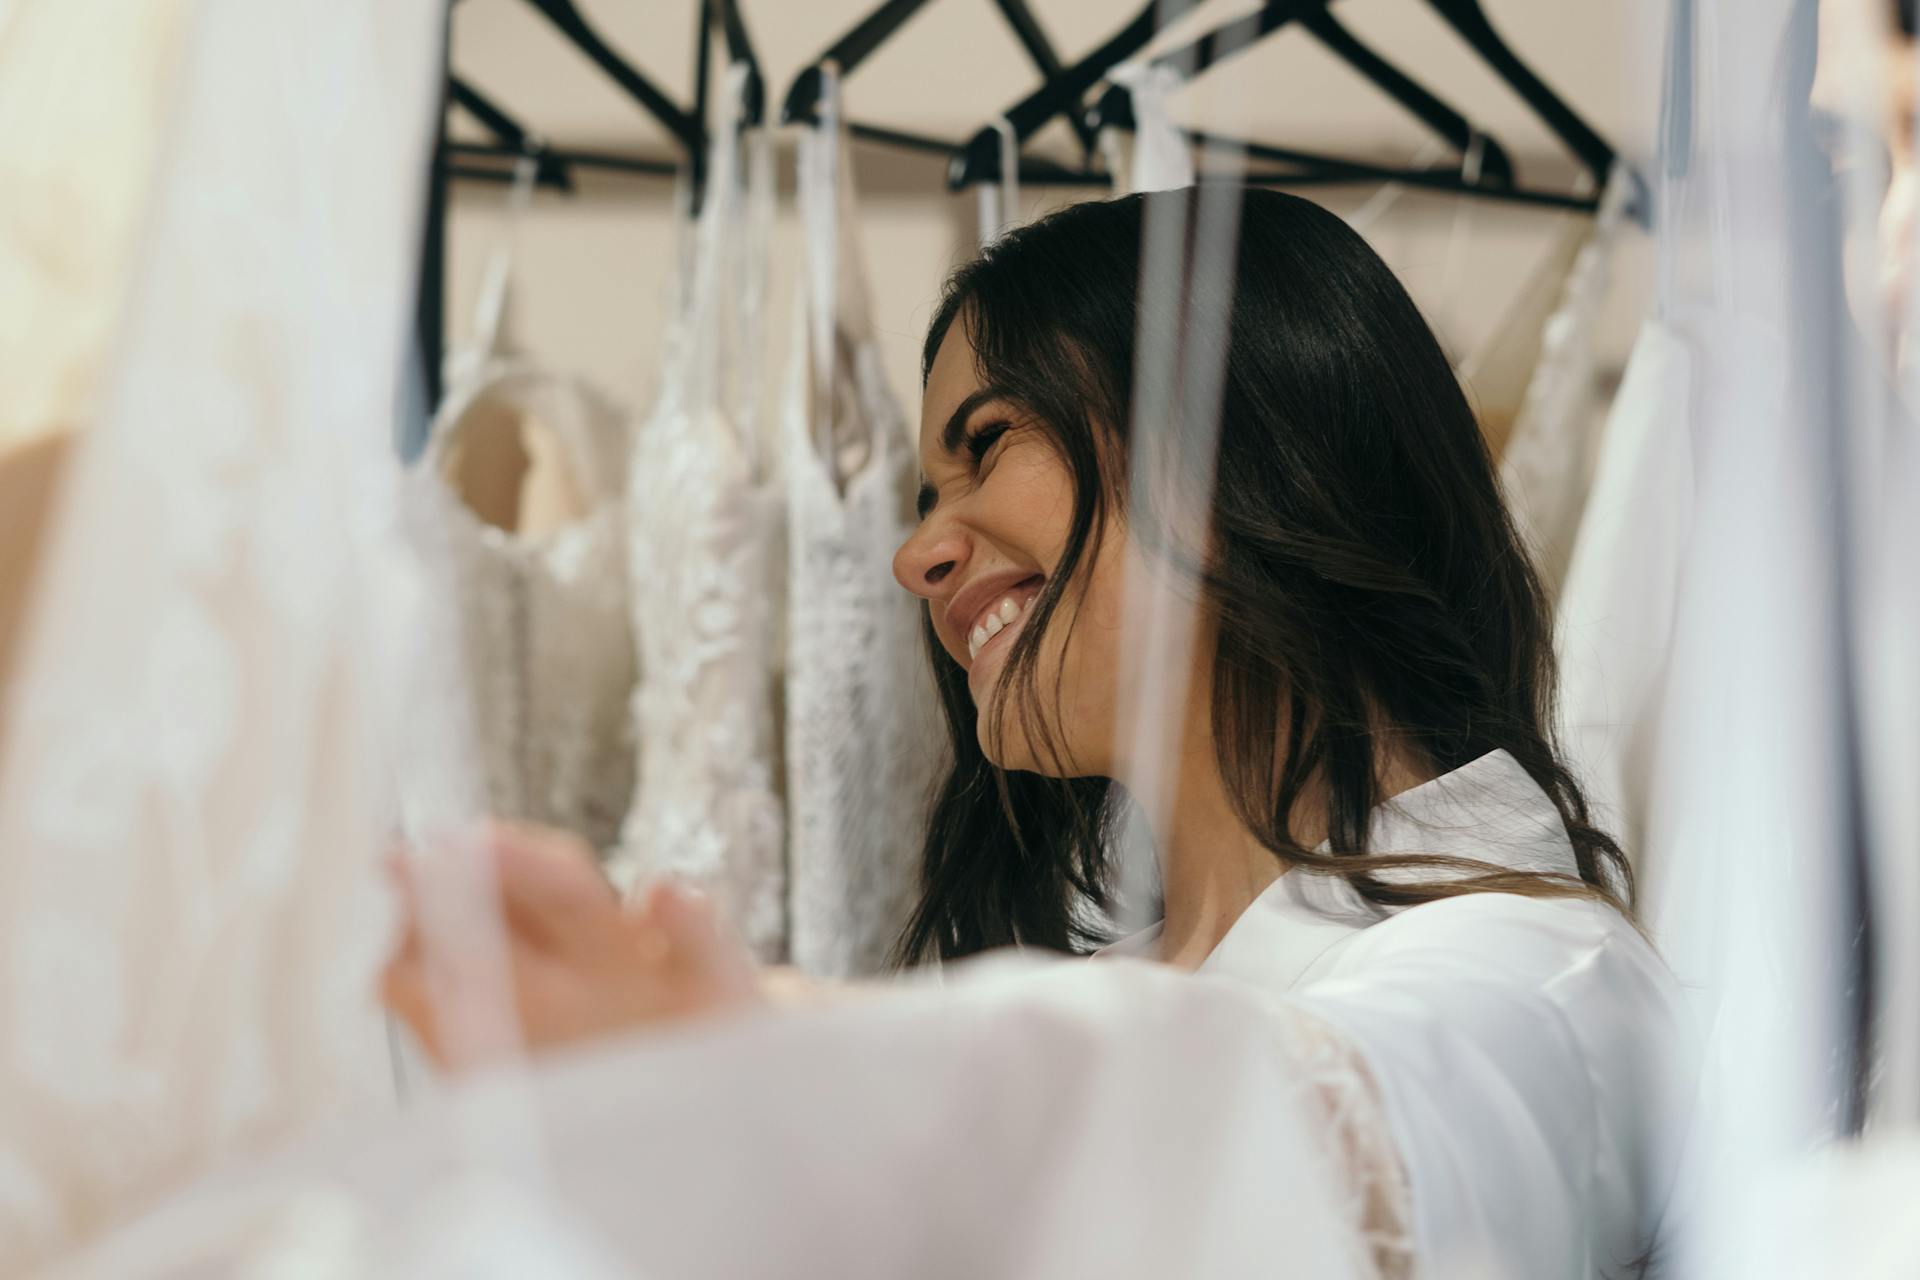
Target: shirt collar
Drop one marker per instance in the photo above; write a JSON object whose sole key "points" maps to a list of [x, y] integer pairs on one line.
{"points": [[1489, 810]]}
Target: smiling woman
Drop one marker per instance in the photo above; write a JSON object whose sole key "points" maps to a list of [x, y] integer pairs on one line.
{"points": [[1369, 618], [1437, 1008]]}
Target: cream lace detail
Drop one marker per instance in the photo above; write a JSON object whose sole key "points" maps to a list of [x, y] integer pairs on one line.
{"points": [[862, 743], [705, 590], [545, 624], [707, 554], [1359, 1142]]}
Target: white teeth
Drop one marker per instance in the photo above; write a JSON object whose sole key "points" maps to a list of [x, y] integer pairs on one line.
{"points": [[997, 620]]}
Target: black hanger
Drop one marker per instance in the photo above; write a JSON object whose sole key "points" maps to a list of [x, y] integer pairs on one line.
{"points": [[510, 139], [850, 50], [1027, 29], [555, 164], [1495, 165], [681, 126], [845, 54], [1241, 33], [1470, 21], [980, 159]]}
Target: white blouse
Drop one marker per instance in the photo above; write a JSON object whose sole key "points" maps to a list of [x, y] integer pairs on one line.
{"points": [[1526, 1050], [1478, 1087]]}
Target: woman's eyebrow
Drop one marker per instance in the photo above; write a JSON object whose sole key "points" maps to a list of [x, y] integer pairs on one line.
{"points": [[955, 432]]}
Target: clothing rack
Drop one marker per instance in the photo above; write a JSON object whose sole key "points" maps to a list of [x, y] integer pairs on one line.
{"points": [[979, 160], [850, 50], [1061, 94], [495, 161], [1236, 36]]}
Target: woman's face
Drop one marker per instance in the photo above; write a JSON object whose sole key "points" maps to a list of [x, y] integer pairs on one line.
{"points": [[996, 507]]}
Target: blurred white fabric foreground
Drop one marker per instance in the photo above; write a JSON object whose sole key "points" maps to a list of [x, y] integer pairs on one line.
{"points": [[196, 784], [996, 1129], [1477, 1088], [83, 89]]}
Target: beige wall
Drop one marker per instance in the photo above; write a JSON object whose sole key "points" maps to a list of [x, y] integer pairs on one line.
{"points": [[594, 267]]}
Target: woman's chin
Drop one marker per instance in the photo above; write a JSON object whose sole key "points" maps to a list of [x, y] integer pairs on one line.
{"points": [[1013, 753], [1006, 750]]}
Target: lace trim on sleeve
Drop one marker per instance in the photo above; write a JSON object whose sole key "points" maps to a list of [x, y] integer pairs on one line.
{"points": [[1360, 1142]]}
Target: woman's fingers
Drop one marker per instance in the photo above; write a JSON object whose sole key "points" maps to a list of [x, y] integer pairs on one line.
{"points": [[579, 963], [700, 953], [550, 884]]}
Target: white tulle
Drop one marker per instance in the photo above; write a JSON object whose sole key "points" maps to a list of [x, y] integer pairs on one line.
{"points": [[993, 1127], [197, 780], [1615, 617], [1478, 1087]]}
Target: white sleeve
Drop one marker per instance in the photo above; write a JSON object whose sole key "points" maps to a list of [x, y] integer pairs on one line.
{"points": [[1027, 1118], [1526, 1052]]}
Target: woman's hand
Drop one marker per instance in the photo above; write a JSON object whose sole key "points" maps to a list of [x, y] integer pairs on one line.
{"points": [[580, 962]]}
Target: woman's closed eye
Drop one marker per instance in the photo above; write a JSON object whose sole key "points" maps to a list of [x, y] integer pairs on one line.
{"points": [[980, 443]]}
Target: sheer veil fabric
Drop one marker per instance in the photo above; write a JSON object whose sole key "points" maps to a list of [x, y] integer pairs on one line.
{"points": [[1024, 1116], [197, 776]]}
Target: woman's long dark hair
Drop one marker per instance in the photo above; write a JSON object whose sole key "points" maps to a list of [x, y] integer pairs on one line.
{"points": [[1361, 565]]}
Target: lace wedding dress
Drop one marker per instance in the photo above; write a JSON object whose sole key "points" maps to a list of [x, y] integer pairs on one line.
{"points": [[1549, 459], [546, 639], [862, 747], [705, 550]]}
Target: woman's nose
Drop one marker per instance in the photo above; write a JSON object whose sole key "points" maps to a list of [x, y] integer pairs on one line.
{"points": [[927, 563]]}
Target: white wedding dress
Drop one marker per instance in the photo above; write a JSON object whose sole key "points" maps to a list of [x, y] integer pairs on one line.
{"points": [[1548, 462], [705, 554], [1614, 622], [546, 639], [863, 744]]}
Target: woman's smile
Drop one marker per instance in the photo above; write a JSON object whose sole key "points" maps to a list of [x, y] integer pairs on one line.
{"points": [[988, 613]]}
